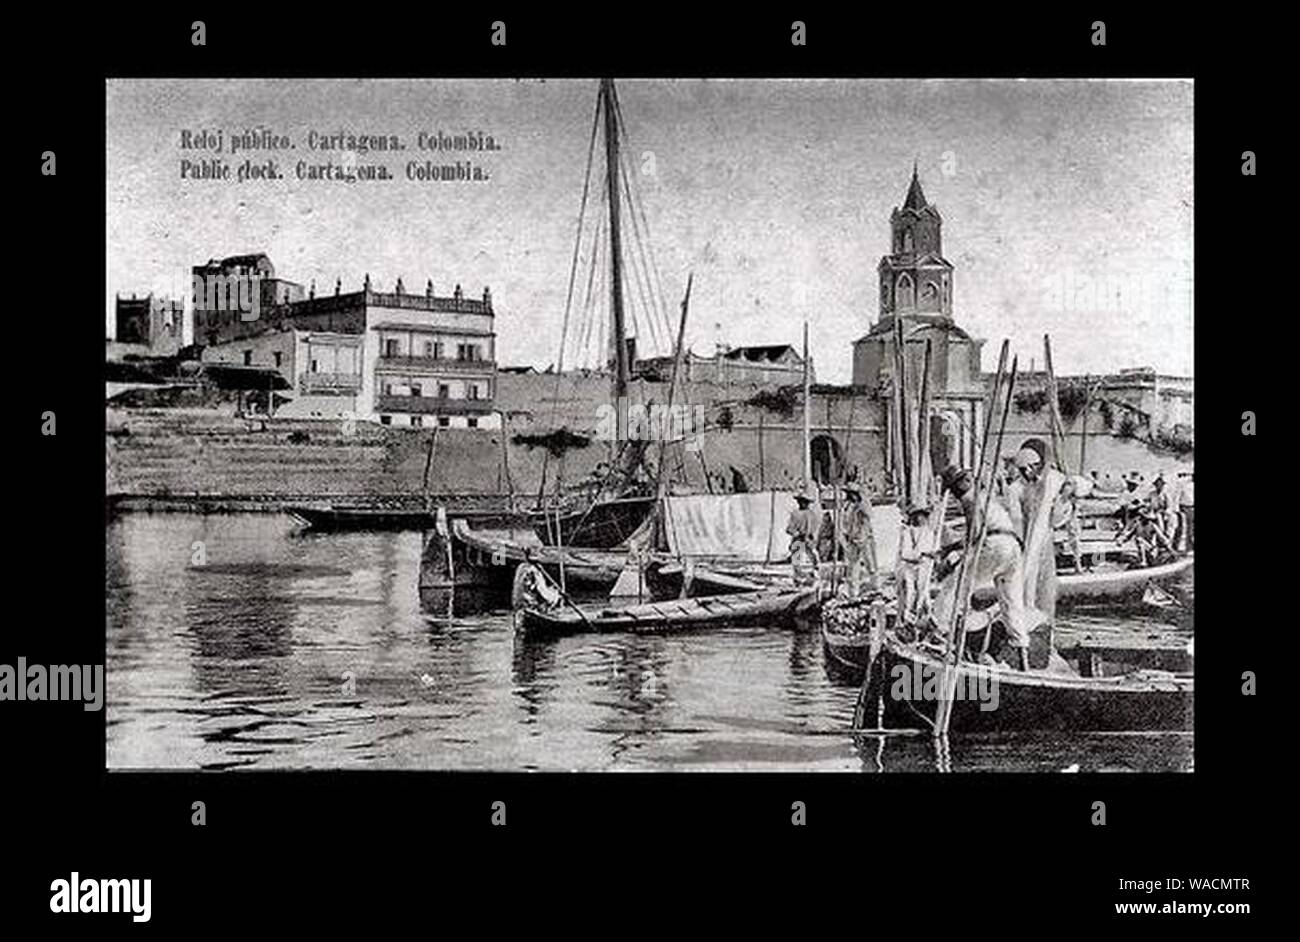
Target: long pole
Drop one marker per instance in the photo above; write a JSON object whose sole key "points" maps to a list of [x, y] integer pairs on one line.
{"points": [[615, 257], [672, 383], [900, 386], [923, 428], [965, 576], [998, 379], [1058, 427], [807, 434]]}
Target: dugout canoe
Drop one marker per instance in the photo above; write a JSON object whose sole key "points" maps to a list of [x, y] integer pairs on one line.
{"points": [[1119, 586], [1111, 585], [892, 697], [774, 607]]}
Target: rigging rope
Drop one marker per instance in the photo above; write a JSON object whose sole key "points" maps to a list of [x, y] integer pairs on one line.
{"points": [[573, 268]]}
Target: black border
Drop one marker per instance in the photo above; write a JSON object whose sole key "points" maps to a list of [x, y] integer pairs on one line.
{"points": [[287, 829]]}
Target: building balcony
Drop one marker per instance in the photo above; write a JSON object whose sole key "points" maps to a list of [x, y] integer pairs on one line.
{"points": [[436, 364], [432, 405], [337, 383]]}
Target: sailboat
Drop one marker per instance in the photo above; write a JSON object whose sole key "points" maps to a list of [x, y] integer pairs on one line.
{"points": [[577, 529], [622, 500]]}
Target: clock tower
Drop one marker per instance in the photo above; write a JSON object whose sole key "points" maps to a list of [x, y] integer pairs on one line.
{"points": [[915, 278]]}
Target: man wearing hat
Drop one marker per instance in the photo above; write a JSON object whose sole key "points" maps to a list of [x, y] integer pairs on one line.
{"points": [[856, 540], [1035, 505], [802, 529], [1162, 506], [1075, 487], [1130, 500], [1147, 536], [916, 553], [999, 562]]}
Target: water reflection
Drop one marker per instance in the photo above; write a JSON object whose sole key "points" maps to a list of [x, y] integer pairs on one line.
{"points": [[292, 650]]}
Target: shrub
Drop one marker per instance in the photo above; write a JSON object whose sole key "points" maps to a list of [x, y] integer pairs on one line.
{"points": [[1071, 401], [1177, 440], [556, 442], [1031, 400], [781, 401]]}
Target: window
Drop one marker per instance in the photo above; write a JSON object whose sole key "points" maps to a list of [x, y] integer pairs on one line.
{"points": [[388, 387], [903, 294], [278, 358], [443, 390], [248, 358], [417, 390], [313, 366], [416, 421], [390, 348], [471, 390], [443, 421], [460, 351], [385, 420], [437, 350], [472, 422], [428, 348]]}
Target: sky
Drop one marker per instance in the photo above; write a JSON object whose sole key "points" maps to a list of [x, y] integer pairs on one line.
{"points": [[1067, 205]]}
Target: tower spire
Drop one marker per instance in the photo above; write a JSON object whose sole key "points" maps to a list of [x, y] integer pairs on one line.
{"points": [[915, 197]]}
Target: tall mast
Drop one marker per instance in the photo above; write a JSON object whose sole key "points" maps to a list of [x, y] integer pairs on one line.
{"points": [[616, 260], [807, 431]]}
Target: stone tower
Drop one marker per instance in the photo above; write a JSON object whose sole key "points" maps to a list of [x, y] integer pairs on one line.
{"points": [[916, 286], [915, 278]]}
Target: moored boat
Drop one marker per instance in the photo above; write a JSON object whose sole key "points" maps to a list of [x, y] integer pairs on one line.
{"points": [[769, 607], [1118, 585], [898, 693], [601, 525]]}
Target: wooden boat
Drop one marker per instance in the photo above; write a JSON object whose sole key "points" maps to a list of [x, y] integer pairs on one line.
{"points": [[1001, 699], [468, 571], [346, 517], [1096, 649], [602, 525], [400, 511], [779, 607], [1118, 585]]}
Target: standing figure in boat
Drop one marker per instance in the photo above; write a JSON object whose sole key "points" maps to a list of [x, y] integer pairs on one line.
{"points": [[916, 552], [1186, 512], [1071, 491], [1035, 506], [1162, 506], [802, 528], [998, 562], [857, 541], [1130, 499]]}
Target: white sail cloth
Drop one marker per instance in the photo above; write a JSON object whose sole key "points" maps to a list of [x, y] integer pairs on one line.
{"points": [[751, 527]]}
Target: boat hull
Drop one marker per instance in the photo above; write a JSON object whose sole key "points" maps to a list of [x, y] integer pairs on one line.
{"points": [[605, 525], [1124, 587], [772, 608], [891, 697]]}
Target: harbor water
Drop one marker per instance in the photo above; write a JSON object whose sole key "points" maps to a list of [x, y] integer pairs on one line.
{"points": [[244, 642]]}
